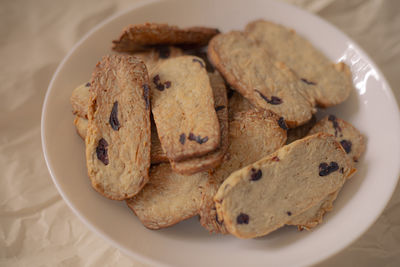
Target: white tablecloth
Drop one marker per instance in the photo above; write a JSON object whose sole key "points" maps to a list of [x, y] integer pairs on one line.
{"points": [[36, 226]]}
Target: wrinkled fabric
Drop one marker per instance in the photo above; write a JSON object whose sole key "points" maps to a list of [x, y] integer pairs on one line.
{"points": [[36, 226]]}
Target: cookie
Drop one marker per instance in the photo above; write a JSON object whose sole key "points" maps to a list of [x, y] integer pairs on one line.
{"points": [[153, 56], [267, 84], [138, 37], [237, 103], [81, 125], [300, 131], [118, 133], [252, 136], [352, 141], [80, 99], [264, 196], [183, 108], [331, 83], [214, 158], [168, 197]]}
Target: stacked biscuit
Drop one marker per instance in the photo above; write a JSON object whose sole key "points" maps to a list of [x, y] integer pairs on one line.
{"points": [[163, 132]]}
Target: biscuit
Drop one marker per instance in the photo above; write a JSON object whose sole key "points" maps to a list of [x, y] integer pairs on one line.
{"points": [[237, 103], [81, 125], [183, 108], [214, 158], [118, 133], [252, 136], [265, 83], [153, 56], [300, 131], [168, 197], [264, 196], [331, 83], [80, 99], [138, 37]]}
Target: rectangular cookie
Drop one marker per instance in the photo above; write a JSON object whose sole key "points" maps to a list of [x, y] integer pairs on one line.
{"points": [[264, 196], [214, 158], [183, 108], [118, 133]]}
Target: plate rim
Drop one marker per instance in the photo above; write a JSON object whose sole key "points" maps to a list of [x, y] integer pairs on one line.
{"points": [[144, 259]]}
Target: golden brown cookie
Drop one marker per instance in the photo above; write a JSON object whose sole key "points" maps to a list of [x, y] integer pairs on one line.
{"points": [[267, 84], [168, 197], [252, 136], [264, 196], [80, 99], [238, 103], [183, 108], [151, 57], [300, 131], [118, 134], [330, 83], [81, 125], [214, 158], [138, 37]]}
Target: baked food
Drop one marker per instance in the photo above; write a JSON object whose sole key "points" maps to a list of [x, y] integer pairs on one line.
{"points": [[214, 158], [252, 135], [118, 133], [263, 196], [183, 108], [238, 103], [80, 99], [140, 36], [152, 56], [330, 83], [300, 131], [81, 125], [267, 84], [352, 141], [168, 197]]}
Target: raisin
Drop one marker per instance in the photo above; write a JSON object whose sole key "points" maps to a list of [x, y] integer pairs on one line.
{"points": [[156, 81], [146, 95], [101, 151], [335, 124], [164, 51], [275, 158], [87, 84], [346, 145], [182, 138], [199, 61], [219, 108], [192, 137], [325, 169], [307, 82], [167, 84], [198, 138], [273, 101], [255, 174], [242, 218], [114, 117], [282, 123], [203, 140], [289, 213]]}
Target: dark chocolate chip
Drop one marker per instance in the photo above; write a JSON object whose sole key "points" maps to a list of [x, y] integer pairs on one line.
{"points": [[282, 123], [146, 95], [164, 51], [308, 82], [114, 117], [182, 138], [101, 151], [289, 213], [273, 101], [255, 174], [87, 84], [219, 108], [346, 145], [199, 61], [167, 84], [335, 124], [325, 169], [242, 218], [275, 158]]}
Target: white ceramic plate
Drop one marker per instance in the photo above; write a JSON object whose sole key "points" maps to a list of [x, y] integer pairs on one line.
{"points": [[371, 108]]}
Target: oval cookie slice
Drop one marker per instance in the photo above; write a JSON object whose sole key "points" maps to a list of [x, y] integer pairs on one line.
{"points": [[265, 195], [183, 108], [118, 134]]}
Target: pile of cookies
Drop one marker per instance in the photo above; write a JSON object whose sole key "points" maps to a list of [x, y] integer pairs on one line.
{"points": [[228, 134]]}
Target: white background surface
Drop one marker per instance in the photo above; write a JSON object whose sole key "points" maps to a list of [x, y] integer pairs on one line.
{"points": [[36, 226]]}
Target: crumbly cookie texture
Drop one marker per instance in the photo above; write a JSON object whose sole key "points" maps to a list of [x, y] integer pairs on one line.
{"points": [[266, 83], [183, 108], [300, 131], [330, 83], [264, 196], [138, 37], [118, 133], [80, 99], [238, 103], [253, 135], [168, 197], [214, 158]]}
